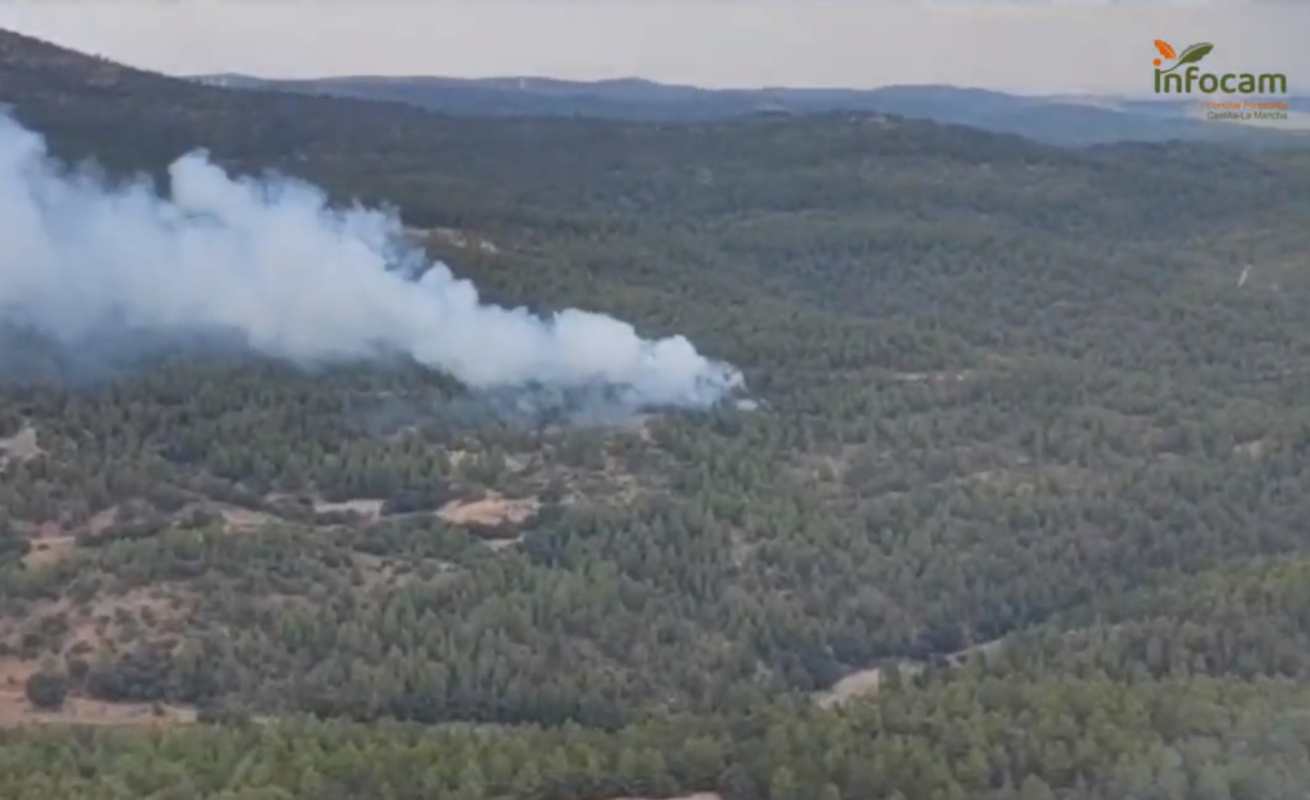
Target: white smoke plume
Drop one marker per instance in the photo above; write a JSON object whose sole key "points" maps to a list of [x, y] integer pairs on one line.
{"points": [[270, 260]]}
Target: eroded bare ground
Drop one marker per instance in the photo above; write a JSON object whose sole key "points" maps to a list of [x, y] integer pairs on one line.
{"points": [[493, 510], [697, 796], [60, 631]]}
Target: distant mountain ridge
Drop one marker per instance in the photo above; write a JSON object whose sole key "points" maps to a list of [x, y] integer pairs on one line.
{"points": [[1064, 120]]}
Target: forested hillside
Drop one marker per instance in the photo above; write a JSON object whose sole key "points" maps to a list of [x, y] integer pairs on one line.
{"points": [[1073, 121], [1028, 436]]}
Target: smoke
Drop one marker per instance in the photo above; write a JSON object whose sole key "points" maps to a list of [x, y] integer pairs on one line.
{"points": [[269, 261]]}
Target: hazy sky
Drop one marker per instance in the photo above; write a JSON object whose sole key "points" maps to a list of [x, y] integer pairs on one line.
{"points": [[1024, 45]]}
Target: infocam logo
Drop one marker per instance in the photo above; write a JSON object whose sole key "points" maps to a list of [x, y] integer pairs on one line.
{"points": [[1185, 77]]}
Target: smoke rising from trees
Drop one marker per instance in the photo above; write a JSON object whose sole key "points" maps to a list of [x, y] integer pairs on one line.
{"points": [[269, 261]]}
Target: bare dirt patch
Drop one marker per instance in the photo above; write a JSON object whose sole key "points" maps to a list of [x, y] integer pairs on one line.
{"points": [[453, 237], [866, 682], [1254, 450], [244, 520], [104, 623], [491, 511], [48, 550], [14, 672], [368, 510], [697, 796], [22, 446], [101, 521], [860, 683], [933, 377], [109, 623], [162, 601], [97, 626]]}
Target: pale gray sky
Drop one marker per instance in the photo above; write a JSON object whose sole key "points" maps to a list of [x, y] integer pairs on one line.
{"points": [[1018, 45]]}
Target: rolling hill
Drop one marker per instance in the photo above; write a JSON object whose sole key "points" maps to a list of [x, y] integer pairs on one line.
{"points": [[1029, 437], [1072, 121]]}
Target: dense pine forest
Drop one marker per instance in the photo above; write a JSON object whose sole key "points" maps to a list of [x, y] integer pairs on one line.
{"points": [[1025, 460]]}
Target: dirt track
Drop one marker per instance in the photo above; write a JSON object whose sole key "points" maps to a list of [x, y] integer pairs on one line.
{"points": [[15, 710]]}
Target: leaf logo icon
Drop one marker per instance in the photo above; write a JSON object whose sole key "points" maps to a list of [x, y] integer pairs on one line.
{"points": [[1192, 55], [1195, 53]]}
